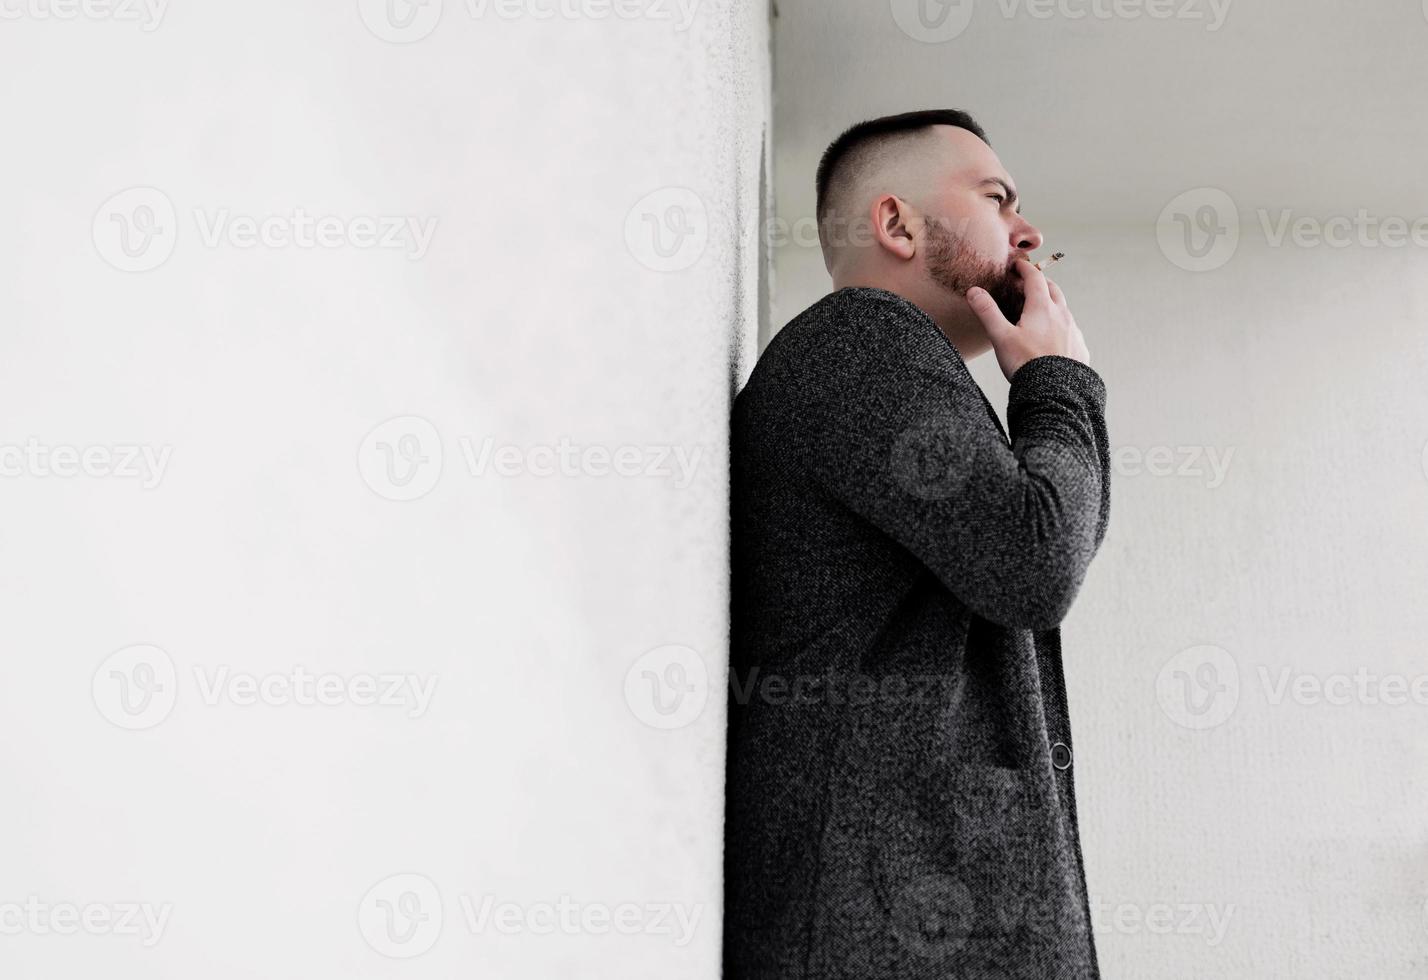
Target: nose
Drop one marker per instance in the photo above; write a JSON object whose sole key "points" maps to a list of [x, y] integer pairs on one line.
{"points": [[1025, 236]]}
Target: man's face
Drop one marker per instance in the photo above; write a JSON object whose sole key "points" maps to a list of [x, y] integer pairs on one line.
{"points": [[973, 232]]}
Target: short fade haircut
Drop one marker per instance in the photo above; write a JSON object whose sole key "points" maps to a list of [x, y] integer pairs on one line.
{"points": [[849, 155]]}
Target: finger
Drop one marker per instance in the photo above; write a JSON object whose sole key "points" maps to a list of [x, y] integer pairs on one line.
{"points": [[987, 311], [1033, 282], [1057, 296]]}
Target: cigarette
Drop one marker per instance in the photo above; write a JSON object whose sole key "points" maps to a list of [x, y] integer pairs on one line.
{"points": [[1055, 257]]}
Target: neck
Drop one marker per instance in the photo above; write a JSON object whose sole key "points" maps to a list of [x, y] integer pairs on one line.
{"points": [[951, 313]]}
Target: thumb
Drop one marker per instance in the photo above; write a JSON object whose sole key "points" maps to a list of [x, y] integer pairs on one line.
{"points": [[987, 310]]}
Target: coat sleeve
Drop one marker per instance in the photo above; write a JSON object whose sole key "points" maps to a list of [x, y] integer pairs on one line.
{"points": [[1009, 529]]}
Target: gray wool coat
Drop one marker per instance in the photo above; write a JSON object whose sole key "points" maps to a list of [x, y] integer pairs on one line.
{"points": [[900, 797]]}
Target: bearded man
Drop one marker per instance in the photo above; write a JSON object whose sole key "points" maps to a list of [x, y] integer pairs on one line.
{"points": [[900, 801]]}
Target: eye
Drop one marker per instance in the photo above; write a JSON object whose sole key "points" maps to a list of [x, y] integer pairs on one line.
{"points": [[998, 198]]}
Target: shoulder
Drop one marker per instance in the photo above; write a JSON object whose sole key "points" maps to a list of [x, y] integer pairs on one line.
{"points": [[860, 329]]}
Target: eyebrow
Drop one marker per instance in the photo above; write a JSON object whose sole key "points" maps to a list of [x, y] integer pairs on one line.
{"points": [[1011, 191]]}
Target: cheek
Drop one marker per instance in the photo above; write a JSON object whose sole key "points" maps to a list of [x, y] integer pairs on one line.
{"points": [[993, 240], [987, 235], [963, 221]]}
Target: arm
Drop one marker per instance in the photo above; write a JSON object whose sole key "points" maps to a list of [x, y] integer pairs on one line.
{"points": [[1010, 530]]}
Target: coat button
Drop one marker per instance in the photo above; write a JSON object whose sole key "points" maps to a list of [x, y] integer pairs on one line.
{"points": [[1061, 755]]}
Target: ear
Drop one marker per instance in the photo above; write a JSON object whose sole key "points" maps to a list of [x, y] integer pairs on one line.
{"points": [[891, 217]]}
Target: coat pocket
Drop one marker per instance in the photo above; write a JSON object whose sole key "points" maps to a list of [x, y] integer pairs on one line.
{"points": [[962, 858]]}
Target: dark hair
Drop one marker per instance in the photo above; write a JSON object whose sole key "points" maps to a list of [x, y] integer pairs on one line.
{"points": [[872, 132]]}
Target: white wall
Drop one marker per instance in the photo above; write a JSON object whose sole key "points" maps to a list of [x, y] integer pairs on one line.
{"points": [[1297, 822], [276, 537]]}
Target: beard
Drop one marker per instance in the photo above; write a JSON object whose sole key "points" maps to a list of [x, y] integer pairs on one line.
{"points": [[953, 264]]}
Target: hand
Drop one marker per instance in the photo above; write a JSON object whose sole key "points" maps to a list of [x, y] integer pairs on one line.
{"points": [[1046, 325]]}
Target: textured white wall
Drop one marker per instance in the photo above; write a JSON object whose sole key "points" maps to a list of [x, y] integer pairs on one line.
{"points": [[1234, 827], [296, 395]]}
